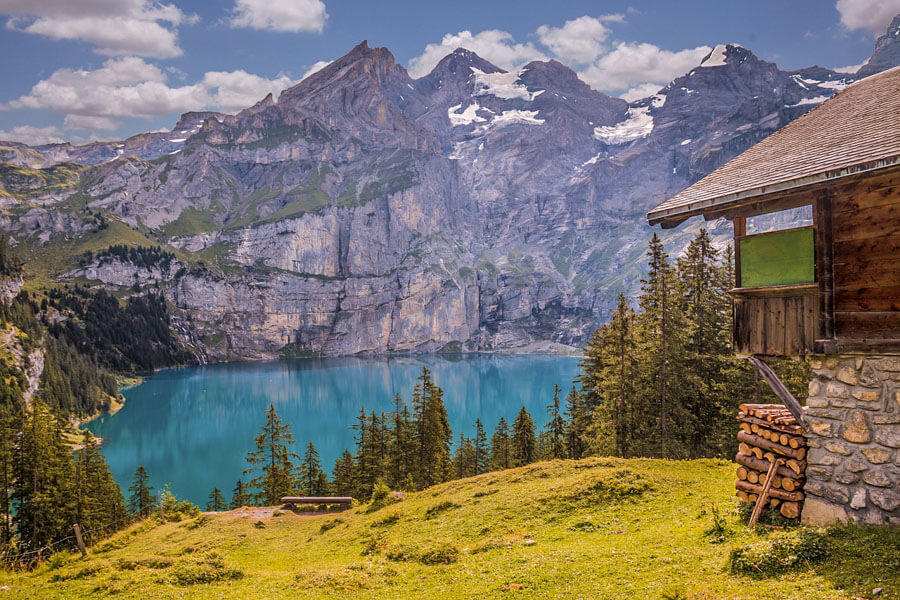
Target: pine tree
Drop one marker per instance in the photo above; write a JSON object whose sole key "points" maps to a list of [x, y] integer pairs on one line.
{"points": [[578, 420], [6, 456], [524, 442], [44, 479], [140, 499], [311, 475], [432, 432], [99, 501], [556, 428], [704, 281], [344, 474], [464, 458], [481, 450], [272, 461], [401, 444], [501, 447], [239, 496], [610, 368], [661, 341], [216, 501]]}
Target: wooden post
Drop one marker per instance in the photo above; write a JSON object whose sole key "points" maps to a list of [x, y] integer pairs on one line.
{"points": [[764, 495], [824, 269], [162, 515], [740, 231], [78, 539]]}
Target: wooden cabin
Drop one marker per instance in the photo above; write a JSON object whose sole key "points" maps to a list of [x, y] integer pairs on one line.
{"points": [[828, 290]]}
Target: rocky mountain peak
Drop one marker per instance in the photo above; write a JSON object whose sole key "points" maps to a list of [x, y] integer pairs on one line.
{"points": [[887, 51]]}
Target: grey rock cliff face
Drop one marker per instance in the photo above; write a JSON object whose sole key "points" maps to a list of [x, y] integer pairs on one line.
{"points": [[367, 212]]}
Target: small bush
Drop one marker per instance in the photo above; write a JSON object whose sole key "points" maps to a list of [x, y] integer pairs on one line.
{"points": [[439, 554], [382, 496], [58, 560], [208, 570], [387, 521], [198, 522], [720, 530], [435, 553], [327, 525], [177, 510], [440, 508], [779, 553]]}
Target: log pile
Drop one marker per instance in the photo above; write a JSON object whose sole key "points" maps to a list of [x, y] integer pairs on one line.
{"points": [[770, 433]]}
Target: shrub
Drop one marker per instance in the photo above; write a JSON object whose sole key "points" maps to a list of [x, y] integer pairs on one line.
{"points": [[435, 553], [177, 510], [440, 508], [57, 560], [330, 525], [209, 570], [387, 520], [779, 553]]}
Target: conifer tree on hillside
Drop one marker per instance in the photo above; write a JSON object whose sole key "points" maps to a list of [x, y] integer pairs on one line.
{"points": [[239, 496], [99, 501], [272, 462], [524, 442], [344, 474], [6, 483], [578, 421], [216, 501], [707, 309], [610, 368], [501, 447], [464, 458], [480, 449], [140, 498], [661, 341], [556, 428], [43, 476], [432, 432], [401, 444], [313, 480]]}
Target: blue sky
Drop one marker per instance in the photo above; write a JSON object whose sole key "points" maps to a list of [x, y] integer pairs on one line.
{"points": [[105, 69]]}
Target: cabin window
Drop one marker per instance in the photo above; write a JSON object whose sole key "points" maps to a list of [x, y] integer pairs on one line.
{"points": [[783, 219], [778, 258]]}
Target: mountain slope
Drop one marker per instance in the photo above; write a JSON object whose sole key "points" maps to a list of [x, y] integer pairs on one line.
{"points": [[366, 212], [598, 528]]}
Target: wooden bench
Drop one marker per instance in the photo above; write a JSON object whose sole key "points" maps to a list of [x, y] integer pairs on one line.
{"points": [[343, 501]]}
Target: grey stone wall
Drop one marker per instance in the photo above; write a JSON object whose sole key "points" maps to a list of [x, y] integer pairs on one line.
{"points": [[853, 432]]}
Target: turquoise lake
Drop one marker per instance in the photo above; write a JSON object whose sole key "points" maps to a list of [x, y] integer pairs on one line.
{"points": [[192, 427]]}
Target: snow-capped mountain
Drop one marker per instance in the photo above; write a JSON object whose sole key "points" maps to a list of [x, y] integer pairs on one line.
{"points": [[365, 211]]}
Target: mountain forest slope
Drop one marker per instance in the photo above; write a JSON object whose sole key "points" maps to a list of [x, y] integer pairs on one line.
{"points": [[364, 211], [599, 528]]}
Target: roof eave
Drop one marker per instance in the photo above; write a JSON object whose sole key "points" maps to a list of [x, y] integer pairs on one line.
{"points": [[678, 214]]}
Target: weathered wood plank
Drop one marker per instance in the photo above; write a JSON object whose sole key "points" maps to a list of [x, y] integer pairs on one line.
{"points": [[871, 324], [857, 298]]}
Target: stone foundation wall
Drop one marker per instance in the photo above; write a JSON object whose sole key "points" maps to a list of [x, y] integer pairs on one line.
{"points": [[853, 432]]}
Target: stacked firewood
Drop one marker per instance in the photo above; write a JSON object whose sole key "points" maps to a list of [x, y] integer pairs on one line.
{"points": [[769, 434]]}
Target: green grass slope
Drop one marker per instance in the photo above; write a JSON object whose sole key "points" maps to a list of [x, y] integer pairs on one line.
{"points": [[596, 528]]}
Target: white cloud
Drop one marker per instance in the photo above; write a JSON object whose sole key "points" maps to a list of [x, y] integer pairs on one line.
{"points": [[85, 122], [643, 90], [236, 90], [629, 65], [318, 66], [495, 46], [280, 15], [131, 87], [871, 15], [580, 40], [113, 27], [33, 136], [848, 68]]}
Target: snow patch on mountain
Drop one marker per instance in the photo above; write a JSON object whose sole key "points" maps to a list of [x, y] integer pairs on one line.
{"points": [[716, 58], [816, 100], [466, 117], [638, 125], [511, 117], [502, 85]]}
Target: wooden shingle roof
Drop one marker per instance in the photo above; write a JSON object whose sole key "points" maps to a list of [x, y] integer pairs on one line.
{"points": [[856, 130]]}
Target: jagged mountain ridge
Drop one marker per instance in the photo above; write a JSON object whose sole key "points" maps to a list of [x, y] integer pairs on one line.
{"points": [[364, 211]]}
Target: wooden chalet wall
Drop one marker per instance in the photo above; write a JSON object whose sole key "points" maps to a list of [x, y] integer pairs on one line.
{"points": [[864, 218]]}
